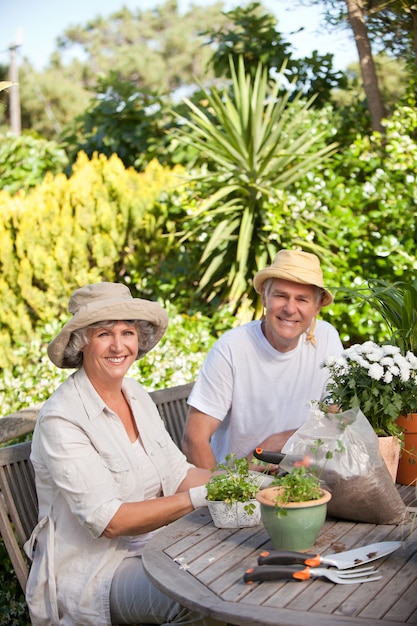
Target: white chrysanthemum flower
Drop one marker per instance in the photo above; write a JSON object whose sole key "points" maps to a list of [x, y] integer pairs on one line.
{"points": [[376, 371], [390, 350], [401, 361], [404, 374], [395, 370], [367, 346], [412, 359], [363, 362], [375, 355], [387, 377], [338, 364], [329, 361], [388, 361], [341, 366], [352, 356]]}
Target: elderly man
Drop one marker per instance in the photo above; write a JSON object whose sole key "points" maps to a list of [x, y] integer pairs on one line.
{"points": [[257, 382]]}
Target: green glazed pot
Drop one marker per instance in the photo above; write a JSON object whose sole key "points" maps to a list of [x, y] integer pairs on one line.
{"points": [[299, 528]]}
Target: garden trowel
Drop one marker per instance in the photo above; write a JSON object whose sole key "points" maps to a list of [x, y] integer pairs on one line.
{"points": [[341, 560]]}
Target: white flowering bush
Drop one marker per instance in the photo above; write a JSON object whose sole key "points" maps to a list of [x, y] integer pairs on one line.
{"points": [[377, 378]]}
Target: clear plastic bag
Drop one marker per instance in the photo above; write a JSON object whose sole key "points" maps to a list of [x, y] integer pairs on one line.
{"points": [[343, 448]]}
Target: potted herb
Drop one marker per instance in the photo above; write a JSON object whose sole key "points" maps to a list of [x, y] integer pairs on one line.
{"points": [[293, 509], [231, 494]]}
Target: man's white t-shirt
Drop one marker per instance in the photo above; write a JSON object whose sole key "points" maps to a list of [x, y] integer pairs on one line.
{"points": [[254, 390]]}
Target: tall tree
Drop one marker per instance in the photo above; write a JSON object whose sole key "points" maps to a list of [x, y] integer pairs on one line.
{"points": [[378, 26], [122, 120], [393, 25], [49, 101], [159, 49], [253, 34], [356, 19]]}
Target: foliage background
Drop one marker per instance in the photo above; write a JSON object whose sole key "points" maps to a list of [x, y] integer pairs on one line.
{"points": [[105, 221], [100, 187]]}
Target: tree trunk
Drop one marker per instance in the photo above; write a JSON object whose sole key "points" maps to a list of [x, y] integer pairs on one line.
{"points": [[413, 13], [369, 77]]}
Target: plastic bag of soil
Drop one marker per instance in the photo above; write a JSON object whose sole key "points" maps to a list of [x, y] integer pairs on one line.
{"points": [[343, 449]]}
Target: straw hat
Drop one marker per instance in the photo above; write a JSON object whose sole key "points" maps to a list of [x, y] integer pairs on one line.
{"points": [[106, 302], [296, 266]]}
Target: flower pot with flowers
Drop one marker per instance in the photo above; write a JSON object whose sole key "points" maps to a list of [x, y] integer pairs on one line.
{"points": [[396, 302], [378, 379]]}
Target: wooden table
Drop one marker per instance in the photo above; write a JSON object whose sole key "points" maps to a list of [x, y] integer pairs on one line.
{"points": [[202, 567]]}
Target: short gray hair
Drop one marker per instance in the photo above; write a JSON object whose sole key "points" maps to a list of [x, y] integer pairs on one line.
{"points": [[73, 357]]}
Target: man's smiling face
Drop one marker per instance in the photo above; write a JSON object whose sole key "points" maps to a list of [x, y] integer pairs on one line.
{"points": [[289, 311]]}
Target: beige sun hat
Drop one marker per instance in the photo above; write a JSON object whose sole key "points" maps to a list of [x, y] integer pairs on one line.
{"points": [[296, 266], [102, 302]]}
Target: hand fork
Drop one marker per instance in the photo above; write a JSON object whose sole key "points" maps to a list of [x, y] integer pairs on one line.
{"points": [[295, 572]]}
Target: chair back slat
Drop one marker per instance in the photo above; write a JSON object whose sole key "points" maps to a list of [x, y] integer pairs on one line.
{"points": [[172, 406], [18, 504]]}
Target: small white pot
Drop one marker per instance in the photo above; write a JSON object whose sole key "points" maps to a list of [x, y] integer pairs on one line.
{"points": [[233, 516]]}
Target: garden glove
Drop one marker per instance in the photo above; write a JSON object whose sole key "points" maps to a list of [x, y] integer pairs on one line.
{"points": [[198, 496]]}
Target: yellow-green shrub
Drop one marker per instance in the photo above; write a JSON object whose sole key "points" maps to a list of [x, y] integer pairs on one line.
{"points": [[99, 224]]}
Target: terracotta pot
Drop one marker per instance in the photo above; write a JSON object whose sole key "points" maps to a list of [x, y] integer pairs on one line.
{"points": [[407, 467], [389, 449], [299, 527]]}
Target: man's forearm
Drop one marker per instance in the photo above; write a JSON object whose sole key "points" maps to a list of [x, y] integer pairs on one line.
{"points": [[198, 454]]}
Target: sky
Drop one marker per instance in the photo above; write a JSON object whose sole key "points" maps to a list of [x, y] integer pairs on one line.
{"points": [[36, 24]]}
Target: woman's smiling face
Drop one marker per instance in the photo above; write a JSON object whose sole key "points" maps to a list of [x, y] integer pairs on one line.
{"points": [[110, 351], [289, 311]]}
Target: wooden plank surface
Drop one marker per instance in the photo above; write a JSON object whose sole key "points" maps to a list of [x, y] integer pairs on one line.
{"points": [[202, 567]]}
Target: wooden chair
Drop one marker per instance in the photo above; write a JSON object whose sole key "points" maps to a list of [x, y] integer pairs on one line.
{"points": [[172, 406], [18, 504], [18, 501]]}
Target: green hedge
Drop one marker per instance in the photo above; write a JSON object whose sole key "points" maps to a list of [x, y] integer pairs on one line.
{"points": [[103, 223], [25, 160]]}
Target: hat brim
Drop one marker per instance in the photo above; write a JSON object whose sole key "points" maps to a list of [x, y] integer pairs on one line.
{"points": [[109, 310], [275, 272]]}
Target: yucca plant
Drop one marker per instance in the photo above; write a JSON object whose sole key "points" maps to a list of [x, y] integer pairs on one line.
{"points": [[4, 84], [397, 305], [254, 142]]}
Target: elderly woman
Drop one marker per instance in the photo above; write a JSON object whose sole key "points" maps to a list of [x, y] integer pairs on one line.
{"points": [[107, 472]]}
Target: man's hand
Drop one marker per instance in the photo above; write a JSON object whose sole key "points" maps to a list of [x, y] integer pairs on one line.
{"points": [[261, 466], [273, 443]]}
